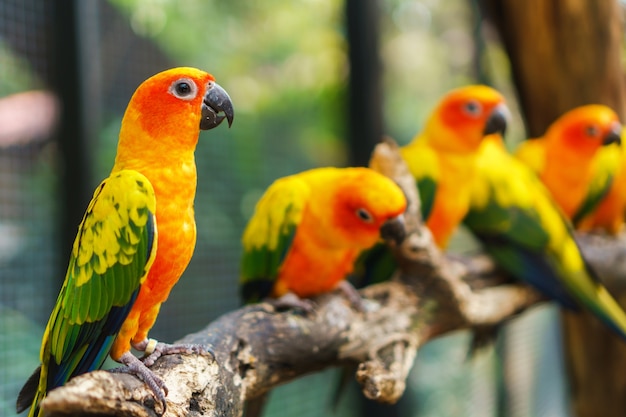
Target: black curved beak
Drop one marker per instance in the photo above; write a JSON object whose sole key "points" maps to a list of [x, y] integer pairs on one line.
{"points": [[614, 135], [216, 107], [394, 230], [497, 121]]}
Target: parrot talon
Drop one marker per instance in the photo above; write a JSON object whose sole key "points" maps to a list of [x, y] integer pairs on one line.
{"points": [[136, 367], [292, 301], [353, 295], [161, 349]]}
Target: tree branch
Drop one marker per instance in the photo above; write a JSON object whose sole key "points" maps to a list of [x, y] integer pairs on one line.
{"points": [[258, 348]]}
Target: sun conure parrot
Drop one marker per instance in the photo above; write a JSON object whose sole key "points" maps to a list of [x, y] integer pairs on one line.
{"points": [[135, 240], [527, 235], [308, 229], [442, 159], [609, 162], [442, 156], [564, 158]]}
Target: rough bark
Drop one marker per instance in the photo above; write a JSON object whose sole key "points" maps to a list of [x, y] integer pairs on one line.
{"points": [[563, 53], [258, 348], [566, 53]]}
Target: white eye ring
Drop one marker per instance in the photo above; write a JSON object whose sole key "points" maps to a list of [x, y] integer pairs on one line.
{"points": [[473, 108], [184, 89], [364, 215]]}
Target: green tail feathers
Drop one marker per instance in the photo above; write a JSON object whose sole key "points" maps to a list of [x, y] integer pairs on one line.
{"points": [[607, 310]]}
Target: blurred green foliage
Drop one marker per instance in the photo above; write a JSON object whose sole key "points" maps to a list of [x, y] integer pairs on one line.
{"points": [[284, 64], [15, 74]]}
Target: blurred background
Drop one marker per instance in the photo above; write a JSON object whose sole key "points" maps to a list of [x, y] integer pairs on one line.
{"points": [[314, 83]]}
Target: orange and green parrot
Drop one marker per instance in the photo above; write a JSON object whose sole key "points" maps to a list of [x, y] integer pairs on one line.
{"points": [[442, 156], [308, 229], [135, 240], [565, 158], [522, 228]]}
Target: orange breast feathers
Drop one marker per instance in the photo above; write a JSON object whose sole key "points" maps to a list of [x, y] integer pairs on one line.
{"points": [[311, 269], [176, 243], [452, 199]]}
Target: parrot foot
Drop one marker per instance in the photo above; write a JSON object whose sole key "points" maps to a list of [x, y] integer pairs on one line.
{"points": [[153, 350], [353, 295], [292, 301], [136, 367]]}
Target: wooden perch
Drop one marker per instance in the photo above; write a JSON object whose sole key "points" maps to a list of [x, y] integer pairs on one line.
{"points": [[258, 348]]}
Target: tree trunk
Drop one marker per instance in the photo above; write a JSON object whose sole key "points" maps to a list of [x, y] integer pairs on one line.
{"points": [[566, 53], [563, 53]]}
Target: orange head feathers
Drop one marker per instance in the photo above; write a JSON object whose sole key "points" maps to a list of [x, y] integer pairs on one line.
{"points": [[584, 130], [565, 157], [464, 116], [169, 109], [363, 202]]}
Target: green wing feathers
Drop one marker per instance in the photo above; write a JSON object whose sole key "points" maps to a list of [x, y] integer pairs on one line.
{"points": [[605, 165], [423, 163], [269, 234], [113, 251], [427, 189], [522, 228], [112, 245]]}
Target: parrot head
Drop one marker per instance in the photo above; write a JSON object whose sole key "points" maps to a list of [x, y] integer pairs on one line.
{"points": [[172, 107], [585, 129], [464, 116], [368, 206]]}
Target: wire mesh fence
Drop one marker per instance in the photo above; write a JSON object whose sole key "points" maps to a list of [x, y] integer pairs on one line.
{"points": [[27, 209], [119, 44]]}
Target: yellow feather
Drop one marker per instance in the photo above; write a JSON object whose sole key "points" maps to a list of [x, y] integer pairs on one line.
{"points": [[281, 205]]}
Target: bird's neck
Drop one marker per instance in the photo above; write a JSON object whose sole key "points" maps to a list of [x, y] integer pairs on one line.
{"points": [[573, 166], [144, 142], [167, 161]]}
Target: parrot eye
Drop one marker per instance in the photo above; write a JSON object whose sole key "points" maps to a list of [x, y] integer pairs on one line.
{"points": [[184, 89], [364, 215], [592, 131], [472, 108]]}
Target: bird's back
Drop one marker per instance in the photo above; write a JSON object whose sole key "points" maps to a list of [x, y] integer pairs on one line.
{"points": [[519, 224]]}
